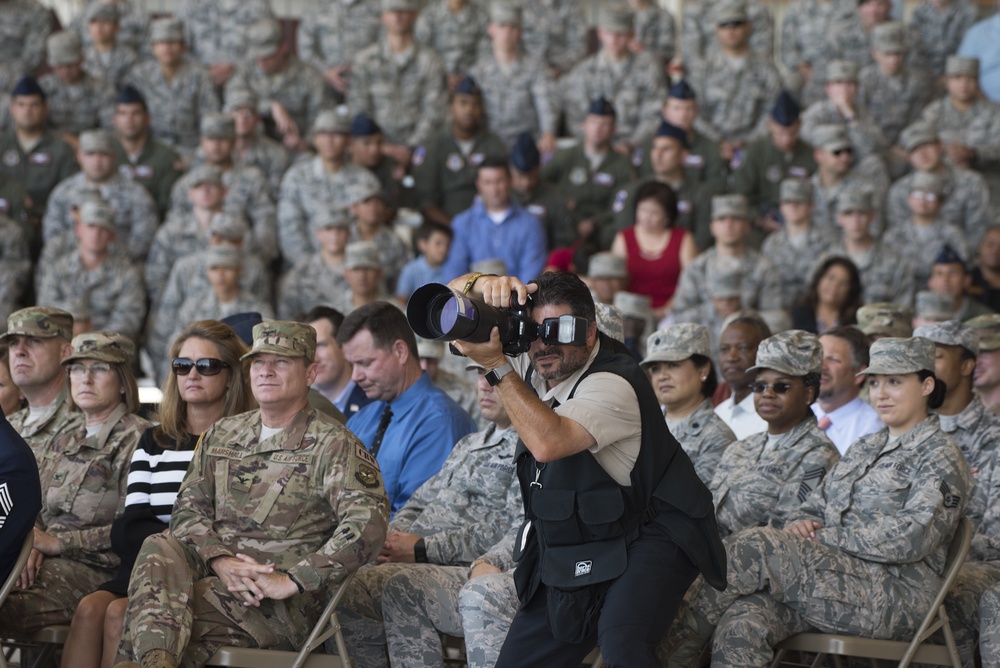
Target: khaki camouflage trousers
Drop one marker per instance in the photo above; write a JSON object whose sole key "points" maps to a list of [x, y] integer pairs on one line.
{"points": [[963, 604], [52, 599], [989, 627]]}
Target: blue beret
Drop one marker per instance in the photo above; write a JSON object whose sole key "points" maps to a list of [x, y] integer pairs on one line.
{"points": [[947, 255], [467, 86], [601, 107], [28, 86], [243, 324], [785, 110], [681, 91], [524, 156], [364, 125], [669, 130], [129, 95]]}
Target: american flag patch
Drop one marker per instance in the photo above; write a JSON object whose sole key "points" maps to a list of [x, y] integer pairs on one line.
{"points": [[6, 504]]}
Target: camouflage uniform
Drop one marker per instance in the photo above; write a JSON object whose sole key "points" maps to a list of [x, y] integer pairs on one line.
{"points": [[655, 29], [591, 191], [133, 24], [270, 157], [311, 282], [977, 432], [555, 32], [217, 31], [966, 202], [762, 167], [336, 31], [299, 87], [794, 259], [24, 27], [704, 437], [518, 97], [156, 168], [755, 485], [869, 175], [703, 161], [446, 177], [205, 305], [84, 481], [135, 211], [893, 102], [805, 40], [49, 163], [635, 87], [938, 31], [392, 253], [39, 434], [922, 245], [308, 189], [73, 108], [865, 135], [886, 274], [698, 32], [888, 510], [460, 513], [308, 500], [408, 100], [760, 284], [458, 37], [176, 107], [110, 68], [734, 102], [15, 266]]}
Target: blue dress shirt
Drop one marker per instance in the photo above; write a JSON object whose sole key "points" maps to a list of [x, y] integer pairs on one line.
{"points": [[518, 240], [983, 42]]}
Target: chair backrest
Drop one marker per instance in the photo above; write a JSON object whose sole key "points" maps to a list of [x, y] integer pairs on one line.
{"points": [[15, 572]]}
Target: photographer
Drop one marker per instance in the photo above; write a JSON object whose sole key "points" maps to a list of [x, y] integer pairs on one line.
{"points": [[617, 522]]}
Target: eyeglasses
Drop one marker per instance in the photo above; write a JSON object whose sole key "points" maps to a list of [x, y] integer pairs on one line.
{"points": [[81, 370], [924, 195], [841, 151], [781, 387], [206, 366]]}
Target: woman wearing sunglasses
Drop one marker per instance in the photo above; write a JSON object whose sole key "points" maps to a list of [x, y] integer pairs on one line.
{"points": [[764, 477], [207, 383]]}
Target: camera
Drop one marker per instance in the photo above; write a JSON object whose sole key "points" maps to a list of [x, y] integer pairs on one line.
{"points": [[438, 312]]}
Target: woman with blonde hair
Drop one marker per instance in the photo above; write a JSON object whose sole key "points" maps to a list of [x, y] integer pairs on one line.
{"points": [[207, 382]]}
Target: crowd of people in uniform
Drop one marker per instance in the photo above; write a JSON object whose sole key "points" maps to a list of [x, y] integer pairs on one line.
{"points": [[797, 245]]}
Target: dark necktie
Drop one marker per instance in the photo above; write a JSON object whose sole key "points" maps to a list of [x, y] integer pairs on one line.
{"points": [[383, 424]]}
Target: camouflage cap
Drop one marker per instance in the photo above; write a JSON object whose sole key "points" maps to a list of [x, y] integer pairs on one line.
{"points": [[240, 98], [225, 257], [731, 11], [103, 11], [855, 200], [957, 66], [166, 30], [885, 319], [63, 48], [40, 321], [98, 214], [327, 218], [633, 305], [337, 121], [893, 355], [795, 352], [934, 306], [842, 71], [677, 342], [723, 283], [284, 338], [216, 125], [204, 173], [263, 38], [362, 255], [86, 194], [831, 137], [987, 331], [889, 37], [229, 226], [400, 6], [795, 190], [364, 190], [730, 206], [430, 348], [609, 321], [927, 182], [917, 135], [505, 13], [950, 333], [97, 141], [493, 265], [606, 265], [103, 346], [615, 18]]}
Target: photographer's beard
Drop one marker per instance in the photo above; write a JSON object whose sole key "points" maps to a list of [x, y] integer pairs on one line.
{"points": [[556, 363]]}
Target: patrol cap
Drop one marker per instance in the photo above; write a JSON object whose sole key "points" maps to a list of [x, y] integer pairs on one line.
{"points": [[601, 107], [676, 343], [98, 214], [724, 283], [682, 91], [63, 48], [493, 265], [103, 11], [333, 121], [524, 156], [168, 29], [606, 265], [633, 305], [957, 66], [950, 333], [284, 338], [216, 125], [362, 255], [109, 347], [326, 218], [263, 38], [889, 37], [28, 86], [399, 6], [831, 137], [786, 109], [609, 321], [86, 194], [917, 135], [842, 71], [224, 257], [927, 182], [948, 255], [430, 348], [795, 352], [129, 94], [505, 13], [730, 206], [670, 130], [228, 226], [363, 191], [240, 98], [468, 86], [615, 18], [97, 141], [43, 322], [987, 330], [363, 125], [731, 11], [855, 200], [243, 324], [893, 355], [885, 319], [795, 190], [934, 306], [204, 173]]}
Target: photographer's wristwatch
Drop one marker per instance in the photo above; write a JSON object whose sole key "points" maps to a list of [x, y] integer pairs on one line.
{"points": [[494, 376]]}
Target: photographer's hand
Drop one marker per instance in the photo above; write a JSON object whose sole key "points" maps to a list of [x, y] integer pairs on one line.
{"points": [[489, 353], [495, 290]]}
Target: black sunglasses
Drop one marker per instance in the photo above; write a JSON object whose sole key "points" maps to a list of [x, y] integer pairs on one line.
{"points": [[206, 366], [842, 151], [781, 387]]}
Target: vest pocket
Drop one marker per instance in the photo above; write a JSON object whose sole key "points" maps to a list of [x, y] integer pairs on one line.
{"points": [[601, 513], [555, 510]]}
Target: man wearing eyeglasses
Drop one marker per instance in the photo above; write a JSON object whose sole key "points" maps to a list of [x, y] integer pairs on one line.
{"points": [[280, 505], [39, 339]]}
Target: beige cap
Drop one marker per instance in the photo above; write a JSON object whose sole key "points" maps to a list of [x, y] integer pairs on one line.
{"points": [[400, 6], [505, 13], [890, 356], [795, 352], [98, 214], [927, 182], [229, 226], [110, 347], [889, 37], [609, 321], [362, 255], [987, 330], [842, 71], [263, 38], [97, 141], [284, 338], [103, 11], [957, 66], [166, 30], [216, 125], [326, 218], [917, 135], [606, 265], [634, 305], [615, 18], [40, 321], [950, 333], [730, 11], [63, 48], [226, 257], [831, 137], [934, 306], [240, 98], [795, 190], [885, 319], [204, 173], [677, 343], [332, 120], [723, 283], [730, 206], [854, 200]]}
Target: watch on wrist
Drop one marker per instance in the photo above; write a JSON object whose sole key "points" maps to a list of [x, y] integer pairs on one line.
{"points": [[420, 552], [494, 376]]}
